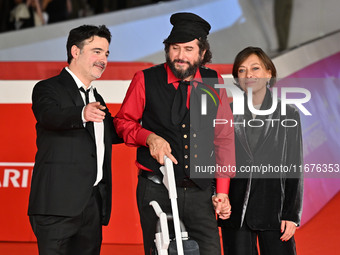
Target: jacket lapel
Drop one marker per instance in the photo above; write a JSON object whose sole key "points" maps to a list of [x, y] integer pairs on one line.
{"points": [[268, 126], [100, 99], [71, 87], [241, 133]]}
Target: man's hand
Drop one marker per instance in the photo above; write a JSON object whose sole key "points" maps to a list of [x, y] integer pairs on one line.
{"points": [[288, 229], [222, 205], [158, 148], [93, 112]]}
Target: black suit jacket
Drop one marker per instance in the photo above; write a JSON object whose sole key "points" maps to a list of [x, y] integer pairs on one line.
{"points": [[264, 200], [66, 163]]}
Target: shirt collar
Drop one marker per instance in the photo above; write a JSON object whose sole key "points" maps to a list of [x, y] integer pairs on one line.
{"points": [[76, 79], [172, 78]]}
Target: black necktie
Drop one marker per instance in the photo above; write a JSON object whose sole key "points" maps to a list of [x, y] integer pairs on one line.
{"points": [[89, 124], [179, 105]]}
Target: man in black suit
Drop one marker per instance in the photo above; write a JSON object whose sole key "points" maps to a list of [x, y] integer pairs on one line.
{"points": [[70, 196]]}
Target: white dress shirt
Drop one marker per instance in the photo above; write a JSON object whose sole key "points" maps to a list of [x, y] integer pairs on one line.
{"points": [[98, 128]]}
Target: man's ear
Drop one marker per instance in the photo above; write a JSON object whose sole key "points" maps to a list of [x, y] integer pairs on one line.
{"points": [[203, 54], [75, 51]]}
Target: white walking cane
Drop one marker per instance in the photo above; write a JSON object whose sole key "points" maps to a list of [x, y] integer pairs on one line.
{"points": [[169, 182]]}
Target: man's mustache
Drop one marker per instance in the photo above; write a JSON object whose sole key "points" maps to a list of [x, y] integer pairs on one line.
{"points": [[181, 61]]}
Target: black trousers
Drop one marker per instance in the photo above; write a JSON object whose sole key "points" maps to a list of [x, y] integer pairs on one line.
{"points": [[195, 210], [244, 242], [58, 235]]}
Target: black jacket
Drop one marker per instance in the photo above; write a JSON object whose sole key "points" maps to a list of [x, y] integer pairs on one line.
{"points": [[263, 200], [66, 162]]}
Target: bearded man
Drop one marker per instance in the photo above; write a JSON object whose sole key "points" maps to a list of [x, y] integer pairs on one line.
{"points": [[155, 117]]}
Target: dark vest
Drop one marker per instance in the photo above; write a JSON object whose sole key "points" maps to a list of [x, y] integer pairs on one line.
{"points": [[191, 146]]}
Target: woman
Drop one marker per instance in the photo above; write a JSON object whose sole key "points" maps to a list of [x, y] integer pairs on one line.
{"points": [[265, 205]]}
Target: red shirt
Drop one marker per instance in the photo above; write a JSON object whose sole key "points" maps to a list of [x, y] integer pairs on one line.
{"points": [[127, 123]]}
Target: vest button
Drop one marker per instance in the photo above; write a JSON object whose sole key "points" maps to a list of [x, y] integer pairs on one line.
{"points": [[183, 125], [195, 155], [185, 136], [186, 166], [186, 147], [195, 146], [194, 135], [185, 156]]}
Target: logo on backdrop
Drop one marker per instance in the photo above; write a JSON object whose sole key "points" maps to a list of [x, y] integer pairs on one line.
{"points": [[212, 94], [238, 105], [15, 175]]}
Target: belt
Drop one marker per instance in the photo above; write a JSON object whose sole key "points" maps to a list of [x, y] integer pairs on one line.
{"points": [[155, 178], [185, 183]]}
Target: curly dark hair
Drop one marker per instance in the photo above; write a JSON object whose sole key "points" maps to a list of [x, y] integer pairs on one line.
{"points": [[78, 35]]}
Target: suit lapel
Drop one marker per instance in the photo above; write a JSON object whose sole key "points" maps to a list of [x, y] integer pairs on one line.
{"points": [[96, 95], [100, 99], [90, 125], [241, 133], [268, 125], [71, 87]]}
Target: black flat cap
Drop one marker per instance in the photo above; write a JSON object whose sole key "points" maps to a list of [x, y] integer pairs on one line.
{"points": [[187, 27]]}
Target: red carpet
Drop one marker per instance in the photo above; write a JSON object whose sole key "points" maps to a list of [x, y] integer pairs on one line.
{"points": [[13, 248], [320, 236]]}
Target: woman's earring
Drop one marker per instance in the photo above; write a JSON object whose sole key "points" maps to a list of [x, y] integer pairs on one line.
{"points": [[268, 84]]}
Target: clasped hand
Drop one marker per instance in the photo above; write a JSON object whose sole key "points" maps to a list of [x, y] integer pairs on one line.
{"points": [[159, 147], [222, 205]]}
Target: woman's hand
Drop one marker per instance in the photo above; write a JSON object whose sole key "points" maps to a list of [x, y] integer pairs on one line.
{"points": [[288, 229], [222, 205]]}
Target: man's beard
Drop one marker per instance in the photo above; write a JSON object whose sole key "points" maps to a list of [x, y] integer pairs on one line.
{"points": [[182, 74]]}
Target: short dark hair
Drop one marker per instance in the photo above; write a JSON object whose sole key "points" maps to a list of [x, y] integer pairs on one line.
{"points": [[245, 53], [203, 45], [78, 35]]}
